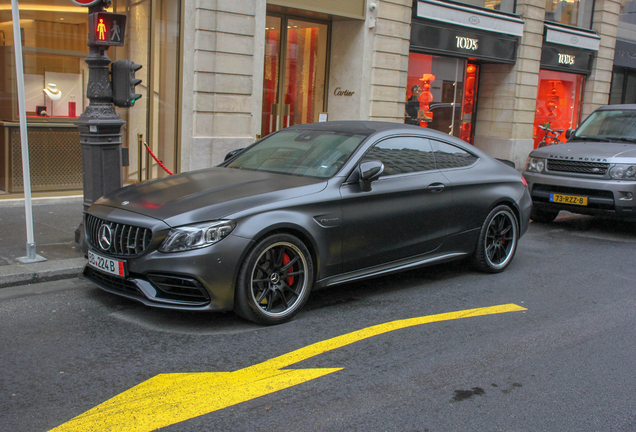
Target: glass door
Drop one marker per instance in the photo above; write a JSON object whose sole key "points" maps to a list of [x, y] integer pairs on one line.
{"points": [[153, 31], [294, 73], [442, 94]]}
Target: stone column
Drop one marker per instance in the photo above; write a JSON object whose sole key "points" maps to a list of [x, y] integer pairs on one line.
{"points": [[507, 93], [390, 62], [597, 87]]}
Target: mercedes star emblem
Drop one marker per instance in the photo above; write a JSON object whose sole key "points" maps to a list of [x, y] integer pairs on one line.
{"points": [[105, 237]]}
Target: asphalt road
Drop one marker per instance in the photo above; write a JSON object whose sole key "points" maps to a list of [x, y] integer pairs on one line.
{"points": [[561, 359]]}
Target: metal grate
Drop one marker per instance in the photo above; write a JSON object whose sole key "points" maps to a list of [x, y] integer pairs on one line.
{"points": [[594, 168], [55, 157], [126, 240]]}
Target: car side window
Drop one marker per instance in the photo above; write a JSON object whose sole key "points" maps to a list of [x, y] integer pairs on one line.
{"points": [[403, 155], [450, 156]]}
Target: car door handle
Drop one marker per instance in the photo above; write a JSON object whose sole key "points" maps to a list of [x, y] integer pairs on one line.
{"points": [[436, 187]]}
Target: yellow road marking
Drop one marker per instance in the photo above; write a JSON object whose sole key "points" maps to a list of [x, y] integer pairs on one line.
{"points": [[168, 399]]}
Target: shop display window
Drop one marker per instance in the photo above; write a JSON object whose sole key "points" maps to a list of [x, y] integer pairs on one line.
{"points": [[577, 13], [559, 100], [441, 94], [54, 46]]}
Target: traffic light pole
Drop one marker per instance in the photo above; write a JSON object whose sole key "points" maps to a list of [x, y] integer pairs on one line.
{"points": [[100, 129]]}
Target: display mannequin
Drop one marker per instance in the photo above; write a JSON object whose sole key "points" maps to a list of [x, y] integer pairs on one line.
{"points": [[53, 93]]}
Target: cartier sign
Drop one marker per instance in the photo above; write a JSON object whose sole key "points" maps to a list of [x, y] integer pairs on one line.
{"points": [[566, 59], [340, 92], [466, 43]]}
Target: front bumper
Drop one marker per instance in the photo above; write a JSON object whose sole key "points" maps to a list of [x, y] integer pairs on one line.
{"points": [[202, 279], [613, 198]]}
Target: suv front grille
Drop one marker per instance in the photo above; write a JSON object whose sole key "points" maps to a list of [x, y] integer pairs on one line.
{"points": [[126, 240], [594, 168]]}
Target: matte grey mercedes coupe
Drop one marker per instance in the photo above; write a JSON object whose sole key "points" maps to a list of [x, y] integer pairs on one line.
{"points": [[307, 207]]}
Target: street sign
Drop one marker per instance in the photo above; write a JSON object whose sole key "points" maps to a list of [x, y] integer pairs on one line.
{"points": [[106, 29]]}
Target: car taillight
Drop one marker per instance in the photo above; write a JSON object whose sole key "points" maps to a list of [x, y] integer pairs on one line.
{"points": [[524, 182]]}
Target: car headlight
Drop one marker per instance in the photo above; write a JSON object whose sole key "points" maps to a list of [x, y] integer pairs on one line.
{"points": [[535, 164], [623, 172], [196, 236]]}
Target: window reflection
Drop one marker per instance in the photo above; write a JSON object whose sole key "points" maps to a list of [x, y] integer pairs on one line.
{"points": [[577, 13]]}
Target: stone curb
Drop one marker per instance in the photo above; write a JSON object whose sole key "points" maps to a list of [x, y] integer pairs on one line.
{"points": [[24, 274]]}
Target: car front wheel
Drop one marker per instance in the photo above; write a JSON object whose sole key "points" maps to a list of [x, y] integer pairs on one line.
{"points": [[497, 242], [274, 280]]}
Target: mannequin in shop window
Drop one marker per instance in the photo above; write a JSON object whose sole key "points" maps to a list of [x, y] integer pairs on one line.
{"points": [[413, 106]]}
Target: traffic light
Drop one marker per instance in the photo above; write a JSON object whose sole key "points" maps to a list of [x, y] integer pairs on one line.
{"points": [[123, 82], [106, 29]]}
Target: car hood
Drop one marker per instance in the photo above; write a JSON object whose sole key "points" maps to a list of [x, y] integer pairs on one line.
{"points": [[588, 151], [208, 194]]}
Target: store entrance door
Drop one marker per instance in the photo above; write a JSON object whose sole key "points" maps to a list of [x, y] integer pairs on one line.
{"points": [[294, 72], [152, 33], [442, 94]]}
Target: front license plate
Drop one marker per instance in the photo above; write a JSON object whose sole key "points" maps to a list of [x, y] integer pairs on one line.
{"points": [[568, 199], [107, 265]]}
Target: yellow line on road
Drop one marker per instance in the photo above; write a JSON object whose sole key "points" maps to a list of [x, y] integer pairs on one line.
{"points": [[168, 399]]}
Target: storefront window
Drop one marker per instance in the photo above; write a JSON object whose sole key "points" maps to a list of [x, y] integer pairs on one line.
{"points": [[441, 94], [623, 86], [577, 13], [294, 72], [54, 38], [559, 100]]}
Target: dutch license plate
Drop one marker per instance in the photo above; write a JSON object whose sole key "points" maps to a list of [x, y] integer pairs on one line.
{"points": [[568, 199], [107, 265]]}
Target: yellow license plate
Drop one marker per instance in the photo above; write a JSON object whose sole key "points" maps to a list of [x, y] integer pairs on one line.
{"points": [[568, 199]]}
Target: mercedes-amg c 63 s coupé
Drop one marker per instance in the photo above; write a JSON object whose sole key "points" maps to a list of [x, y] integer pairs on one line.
{"points": [[307, 207]]}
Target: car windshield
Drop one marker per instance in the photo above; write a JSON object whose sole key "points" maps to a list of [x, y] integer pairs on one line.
{"points": [[300, 152], [609, 125]]}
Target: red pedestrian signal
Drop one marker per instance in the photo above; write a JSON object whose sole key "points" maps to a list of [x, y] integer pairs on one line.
{"points": [[106, 29]]}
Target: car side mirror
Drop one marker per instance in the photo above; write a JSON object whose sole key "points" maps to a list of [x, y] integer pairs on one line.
{"points": [[569, 133], [231, 154], [369, 171]]}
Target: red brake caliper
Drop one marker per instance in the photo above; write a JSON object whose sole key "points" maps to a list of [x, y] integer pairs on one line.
{"points": [[286, 260]]}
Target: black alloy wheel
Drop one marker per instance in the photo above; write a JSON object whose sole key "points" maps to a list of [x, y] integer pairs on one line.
{"points": [[497, 242], [274, 281]]}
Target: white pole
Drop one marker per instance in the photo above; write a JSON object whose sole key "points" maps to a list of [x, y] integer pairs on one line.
{"points": [[26, 173]]}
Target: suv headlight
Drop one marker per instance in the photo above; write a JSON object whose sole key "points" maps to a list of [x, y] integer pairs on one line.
{"points": [[196, 236], [623, 172], [535, 164]]}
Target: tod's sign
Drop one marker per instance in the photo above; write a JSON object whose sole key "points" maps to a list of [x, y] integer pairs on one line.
{"points": [[467, 43], [566, 59]]}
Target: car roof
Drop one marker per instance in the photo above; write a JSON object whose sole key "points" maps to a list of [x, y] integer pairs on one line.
{"points": [[621, 106], [364, 127], [355, 126]]}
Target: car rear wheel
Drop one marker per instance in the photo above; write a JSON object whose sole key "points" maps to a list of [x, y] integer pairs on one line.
{"points": [[497, 242], [543, 216], [274, 280]]}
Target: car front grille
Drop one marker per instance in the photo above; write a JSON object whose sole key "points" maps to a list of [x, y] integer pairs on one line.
{"points": [[125, 240], [594, 168]]}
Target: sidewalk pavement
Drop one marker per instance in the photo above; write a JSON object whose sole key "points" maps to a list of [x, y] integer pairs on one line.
{"points": [[55, 221]]}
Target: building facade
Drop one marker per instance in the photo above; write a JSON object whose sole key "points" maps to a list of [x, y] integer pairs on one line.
{"points": [[219, 74]]}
